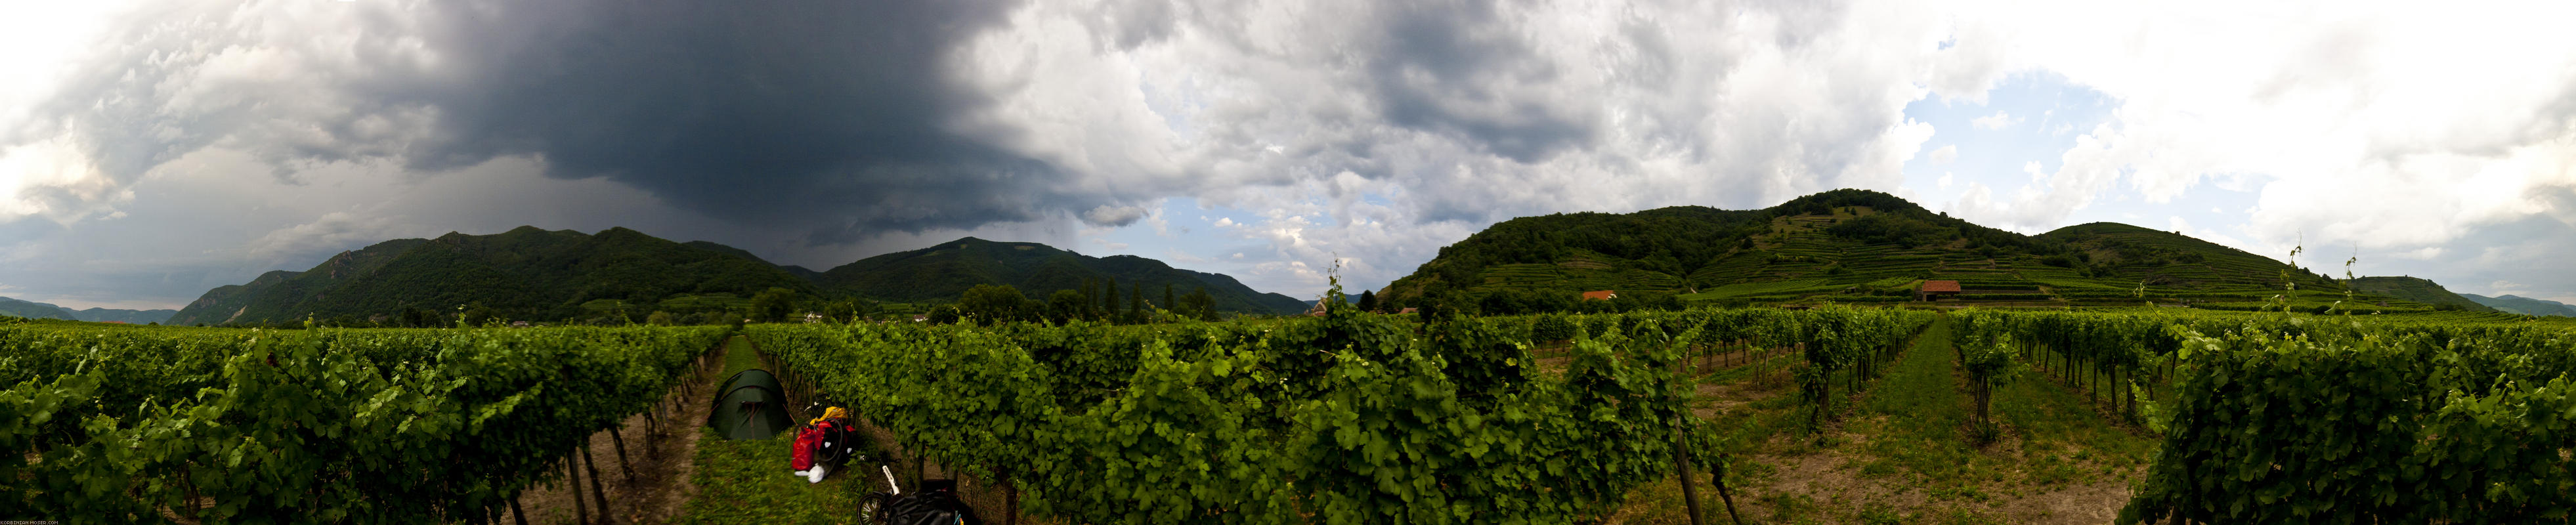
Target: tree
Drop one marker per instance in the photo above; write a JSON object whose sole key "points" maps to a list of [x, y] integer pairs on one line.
{"points": [[773, 305], [417, 317], [1368, 301], [1201, 305], [477, 315], [1167, 303], [990, 304], [660, 318], [1064, 306], [1109, 297], [847, 310], [1090, 295]]}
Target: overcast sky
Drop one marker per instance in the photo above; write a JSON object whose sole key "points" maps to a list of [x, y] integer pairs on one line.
{"points": [[152, 150]]}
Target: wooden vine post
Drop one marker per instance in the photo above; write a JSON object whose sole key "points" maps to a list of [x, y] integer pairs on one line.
{"points": [[572, 485], [1681, 458]]}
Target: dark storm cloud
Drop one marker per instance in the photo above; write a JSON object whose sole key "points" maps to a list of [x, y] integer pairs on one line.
{"points": [[835, 116], [786, 111], [1447, 69]]}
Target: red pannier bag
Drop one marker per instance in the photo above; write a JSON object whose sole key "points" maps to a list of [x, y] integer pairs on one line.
{"points": [[807, 439]]}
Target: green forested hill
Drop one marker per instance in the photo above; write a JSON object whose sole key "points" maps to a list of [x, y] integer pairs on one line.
{"points": [[2418, 290], [1842, 245], [533, 274], [944, 271], [526, 273]]}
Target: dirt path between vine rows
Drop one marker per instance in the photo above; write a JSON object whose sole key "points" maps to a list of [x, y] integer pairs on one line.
{"points": [[661, 454]]}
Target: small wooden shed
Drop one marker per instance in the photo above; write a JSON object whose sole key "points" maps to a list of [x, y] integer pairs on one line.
{"points": [[1935, 290]]}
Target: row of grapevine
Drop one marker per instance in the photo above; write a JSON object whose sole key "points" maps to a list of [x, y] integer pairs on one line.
{"points": [[1836, 342], [2333, 420], [2274, 418], [1348, 418], [373, 426]]}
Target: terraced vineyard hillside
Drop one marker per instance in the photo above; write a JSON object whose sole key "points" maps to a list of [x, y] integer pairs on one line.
{"points": [[2417, 290], [1867, 247]]}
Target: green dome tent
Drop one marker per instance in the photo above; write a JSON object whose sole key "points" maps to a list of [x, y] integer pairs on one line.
{"points": [[750, 406]]}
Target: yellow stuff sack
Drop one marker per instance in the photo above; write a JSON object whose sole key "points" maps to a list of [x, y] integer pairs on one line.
{"points": [[830, 413]]}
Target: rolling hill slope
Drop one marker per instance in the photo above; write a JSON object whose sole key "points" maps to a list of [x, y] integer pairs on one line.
{"points": [[533, 274], [1849, 246], [2418, 290], [525, 273]]}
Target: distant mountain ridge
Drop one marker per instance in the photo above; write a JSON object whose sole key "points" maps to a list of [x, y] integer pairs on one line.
{"points": [[946, 270], [2523, 305], [525, 273], [534, 274], [36, 310]]}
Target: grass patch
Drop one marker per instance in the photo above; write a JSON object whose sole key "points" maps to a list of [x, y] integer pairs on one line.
{"points": [[2062, 438], [748, 481], [1925, 411], [739, 357]]}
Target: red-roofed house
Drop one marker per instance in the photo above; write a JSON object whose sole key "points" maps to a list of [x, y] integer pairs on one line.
{"points": [[1600, 295], [1935, 290]]}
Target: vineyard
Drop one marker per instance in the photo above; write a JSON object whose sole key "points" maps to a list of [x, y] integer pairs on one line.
{"points": [[1354, 418], [370, 426], [2256, 417], [2298, 418]]}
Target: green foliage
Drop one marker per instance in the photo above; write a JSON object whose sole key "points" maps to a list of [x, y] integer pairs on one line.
{"points": [[1991, 359], [2278, 417], [991, 304], [2304, 419], [313, 426], [1345, 418], [773, 305]]}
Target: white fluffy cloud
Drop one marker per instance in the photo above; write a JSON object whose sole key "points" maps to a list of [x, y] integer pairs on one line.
{"points": [[1371, 132], [2386, 124], [1451, 115]]}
